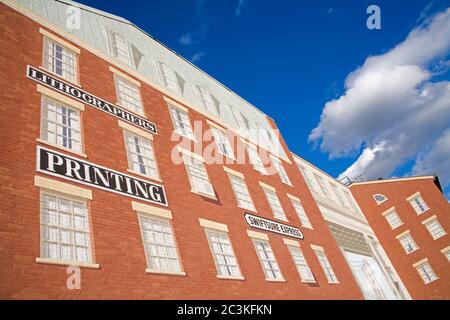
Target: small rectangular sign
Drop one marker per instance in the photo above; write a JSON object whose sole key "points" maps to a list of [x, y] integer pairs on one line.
{"points": [[89, 99], [60, 165], [273, 226]]}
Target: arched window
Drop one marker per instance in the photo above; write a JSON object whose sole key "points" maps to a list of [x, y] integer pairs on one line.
{"points": [[379, 198]]}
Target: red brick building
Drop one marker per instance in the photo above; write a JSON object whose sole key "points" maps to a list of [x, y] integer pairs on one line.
{"points": [[92, 110], [411, 218]]}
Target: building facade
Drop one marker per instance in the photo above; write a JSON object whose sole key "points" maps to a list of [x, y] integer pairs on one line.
{"points": [[109, 191], [411, 217], [374, 272]]}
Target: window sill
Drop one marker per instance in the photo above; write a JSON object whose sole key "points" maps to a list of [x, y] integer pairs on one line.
{"points": [[307, 227], [143, 175], [61, 148], [204, 194], [287, 184], [420, 213], [309, 281], [67, 263], [230, 278], [334, 282], [284, 219], [76, 83], [407, 253], [276, 280], [182, 136], [439, 236], [168, 273], [431, 281], [247, 209]]}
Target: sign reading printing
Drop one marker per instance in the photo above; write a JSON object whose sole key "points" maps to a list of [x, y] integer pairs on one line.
{"points": [[60, 165], [85, 97], [273, 226]]}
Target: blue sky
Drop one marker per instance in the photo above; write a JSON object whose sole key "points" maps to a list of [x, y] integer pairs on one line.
{"points": [[291, 58]]}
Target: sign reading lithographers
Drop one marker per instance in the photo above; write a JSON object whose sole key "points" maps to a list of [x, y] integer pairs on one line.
{"points": [[60, 165], [85, 97], [273, 226]]}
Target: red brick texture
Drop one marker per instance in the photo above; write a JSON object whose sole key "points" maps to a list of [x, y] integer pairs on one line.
{"points": [[397, 192], [117, 244]]}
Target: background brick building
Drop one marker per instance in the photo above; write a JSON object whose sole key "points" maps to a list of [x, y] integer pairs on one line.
{"points": [[411, 218]]}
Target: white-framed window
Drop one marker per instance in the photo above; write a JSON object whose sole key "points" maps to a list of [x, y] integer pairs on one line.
{"points": [[338, 193], [169, 77], [198, 176], [446, 253], [159, 244], [255, 160], [240, 120], [210, 103], [222, 142], [419, 204], [223, 253], [300, 210], [281, 171], [426, 272], [435, 228], [302, 265], [306, 176], [408, 243], [181, 123], [120, 48], [240, 189], [128, 95], [268, 262], [379, 198], [393, 219], [322, 186], [275, 204], [65, 232], [60, 60], [141, 157], [326, 266], [60, 124]]}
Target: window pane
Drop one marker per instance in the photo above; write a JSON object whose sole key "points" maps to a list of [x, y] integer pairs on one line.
{"points": [[304, 220], [326, 267], [301, 264], [275, 204], [140, 155], [198, 176], [159, 244], [128, 95], [241, 192], [222, 252], [63, 237], [268, 262], [60, 60], [60, 124]]}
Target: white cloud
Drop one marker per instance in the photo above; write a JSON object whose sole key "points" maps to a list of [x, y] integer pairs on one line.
{"points": [[186, 39], [392, 109], [197, 56], [436, 159]]}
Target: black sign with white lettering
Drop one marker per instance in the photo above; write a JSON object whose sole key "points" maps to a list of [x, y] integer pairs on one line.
{"points": [[85, 97], [60, 165], [273, 226]]}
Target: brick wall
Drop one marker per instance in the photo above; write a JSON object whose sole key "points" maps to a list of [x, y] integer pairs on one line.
{"points": [[117, 244]]}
